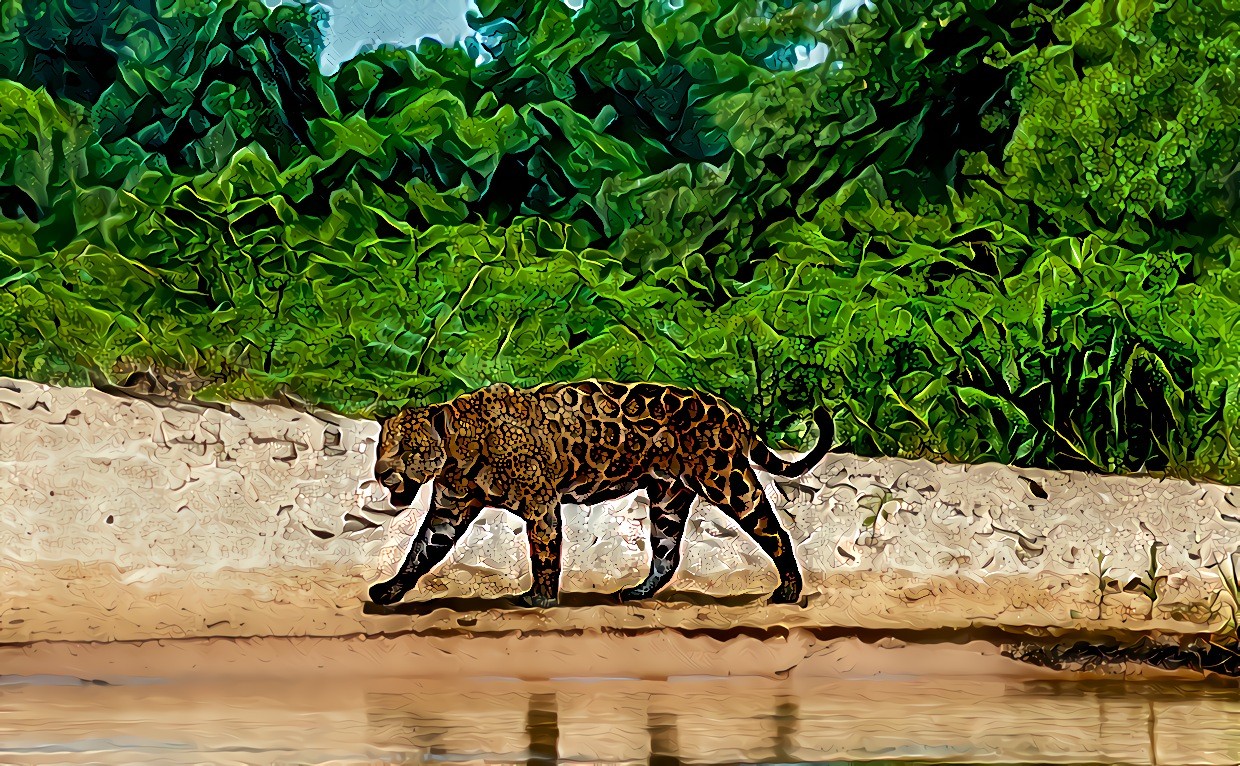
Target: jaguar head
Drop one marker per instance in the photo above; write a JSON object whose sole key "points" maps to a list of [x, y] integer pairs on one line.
{"points": [[411, 451]]}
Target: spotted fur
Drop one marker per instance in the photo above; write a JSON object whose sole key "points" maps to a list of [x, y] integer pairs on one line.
{"points": [[529, 450]]}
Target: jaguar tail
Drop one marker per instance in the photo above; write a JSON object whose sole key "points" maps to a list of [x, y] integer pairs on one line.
{"points": [[769, 461]]}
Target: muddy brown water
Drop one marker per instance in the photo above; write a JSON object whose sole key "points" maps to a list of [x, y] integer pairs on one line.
{"points": [[264, 703]]}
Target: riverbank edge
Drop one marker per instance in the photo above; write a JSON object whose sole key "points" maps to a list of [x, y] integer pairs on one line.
{"points": [[661, 654]]}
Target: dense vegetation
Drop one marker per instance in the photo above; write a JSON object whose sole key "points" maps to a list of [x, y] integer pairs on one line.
{"points": [[977, 230]]}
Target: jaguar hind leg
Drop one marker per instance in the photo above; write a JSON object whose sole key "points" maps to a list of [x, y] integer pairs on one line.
{"points": [[669, 512], [764, 527], [739, 494]]}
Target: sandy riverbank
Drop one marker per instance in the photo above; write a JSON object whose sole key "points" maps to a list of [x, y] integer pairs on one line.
{"points": [[132, 519]]}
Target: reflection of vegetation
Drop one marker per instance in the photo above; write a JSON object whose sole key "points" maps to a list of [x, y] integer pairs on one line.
{"points": [[981, 231]]}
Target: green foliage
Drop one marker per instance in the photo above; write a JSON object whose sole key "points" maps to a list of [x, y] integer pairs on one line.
{"points": [[977, 231], [187, 82], [1129, 125]]}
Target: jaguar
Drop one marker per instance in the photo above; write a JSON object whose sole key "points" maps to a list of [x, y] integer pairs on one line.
{"points": [[529, 450]]}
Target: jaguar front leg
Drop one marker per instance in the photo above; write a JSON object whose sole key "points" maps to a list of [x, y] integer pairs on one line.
{"points": [[542, 529], [450, 514]]}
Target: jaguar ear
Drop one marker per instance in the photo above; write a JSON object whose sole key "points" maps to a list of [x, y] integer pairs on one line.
{"points": [[438, 416], [386, 423]]}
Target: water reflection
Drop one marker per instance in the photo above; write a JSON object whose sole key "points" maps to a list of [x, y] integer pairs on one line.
{"points": [[620, 722], [662, 730], [542, 729]]}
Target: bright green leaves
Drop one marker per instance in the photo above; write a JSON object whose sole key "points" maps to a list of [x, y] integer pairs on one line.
{"points": [[40, 150], [1133, 120]]}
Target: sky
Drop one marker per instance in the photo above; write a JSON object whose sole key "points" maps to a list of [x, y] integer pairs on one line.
{"points": [[359, 24]]}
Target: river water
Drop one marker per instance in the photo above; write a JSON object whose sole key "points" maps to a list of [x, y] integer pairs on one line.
{"points": [[51, 719]]}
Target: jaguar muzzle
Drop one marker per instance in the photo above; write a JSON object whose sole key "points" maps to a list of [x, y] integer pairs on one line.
{"points": [[390, 474]]}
